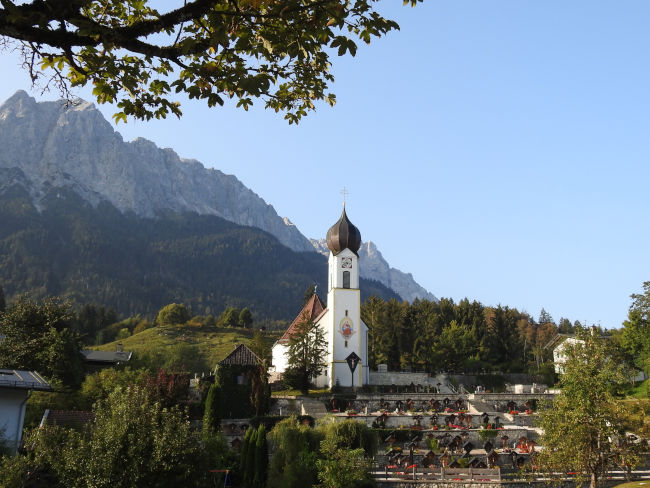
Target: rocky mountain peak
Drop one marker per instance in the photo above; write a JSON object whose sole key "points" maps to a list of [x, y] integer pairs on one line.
{"points": [[74, 146], [55, 144], [372, 265]]}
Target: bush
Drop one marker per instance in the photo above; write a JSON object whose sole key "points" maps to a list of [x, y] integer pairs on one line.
{"points": [[294, 379], [133, 441], [486, 434], [173, 314]]}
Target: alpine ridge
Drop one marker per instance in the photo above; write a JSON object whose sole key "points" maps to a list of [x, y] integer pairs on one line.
{"points": [[373, 266], [48, 145], [76, 147]]}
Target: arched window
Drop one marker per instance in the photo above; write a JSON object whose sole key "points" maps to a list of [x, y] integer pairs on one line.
{"points": [[346, 279]]}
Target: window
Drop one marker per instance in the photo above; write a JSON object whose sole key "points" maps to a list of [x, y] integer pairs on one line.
{"points": [[346, 279]]}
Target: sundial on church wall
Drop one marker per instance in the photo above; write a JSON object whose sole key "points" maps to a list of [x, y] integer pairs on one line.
{"points": [[346, 327]]}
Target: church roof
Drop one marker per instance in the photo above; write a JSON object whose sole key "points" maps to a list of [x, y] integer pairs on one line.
{"points": [[312, 310], [241, 356], [343, 235]]}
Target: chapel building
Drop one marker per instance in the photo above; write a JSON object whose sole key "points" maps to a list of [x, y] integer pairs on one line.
{"points": [[340, 320]]}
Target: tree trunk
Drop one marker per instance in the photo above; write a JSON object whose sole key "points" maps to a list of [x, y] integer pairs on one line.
{"points": [[594, 480]]}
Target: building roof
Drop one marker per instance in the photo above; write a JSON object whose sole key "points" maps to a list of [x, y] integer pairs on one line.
{"points": [[241, 356], [67, 418], [312, 310], [111, 357], [343, 235], [557, 340], [23, 380]]}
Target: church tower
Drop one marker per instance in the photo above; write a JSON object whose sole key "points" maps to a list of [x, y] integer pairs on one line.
{"points": [[340, 321], [345, 331]]}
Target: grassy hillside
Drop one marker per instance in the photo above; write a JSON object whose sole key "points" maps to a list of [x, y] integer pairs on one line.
{"points": [[189, 348]]}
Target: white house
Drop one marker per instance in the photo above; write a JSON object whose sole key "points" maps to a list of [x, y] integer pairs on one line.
{"points": [[560, 343], [15, 389], [340, 321]]}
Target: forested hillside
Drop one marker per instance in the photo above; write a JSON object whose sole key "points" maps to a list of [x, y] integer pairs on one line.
{"points": [[460, 337], [137, 265]]}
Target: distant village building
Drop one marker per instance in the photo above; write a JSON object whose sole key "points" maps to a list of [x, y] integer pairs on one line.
{"points": [[15, 387], [559, 344], [96, 360], [238, 376], [244, 360], [340, 321]]}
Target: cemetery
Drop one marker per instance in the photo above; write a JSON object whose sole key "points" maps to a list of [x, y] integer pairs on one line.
{"points": [[435, 439]]}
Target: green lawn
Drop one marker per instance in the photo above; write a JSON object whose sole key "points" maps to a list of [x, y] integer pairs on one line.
{"points": [[640, 391], [635, 484], [197, 349]]}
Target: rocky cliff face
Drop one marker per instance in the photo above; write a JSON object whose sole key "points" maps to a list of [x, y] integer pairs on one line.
{"points": [[48, 145], [76, 147], [373, 266]]}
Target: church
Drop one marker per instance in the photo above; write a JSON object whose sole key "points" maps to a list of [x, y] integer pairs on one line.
{"points": [[340, 320]]}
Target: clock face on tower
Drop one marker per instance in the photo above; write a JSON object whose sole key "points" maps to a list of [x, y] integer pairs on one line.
{"points": [[346, 263]]}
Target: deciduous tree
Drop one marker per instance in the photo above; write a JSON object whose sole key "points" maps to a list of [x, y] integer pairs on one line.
{"points": [[245, 318], [173, 314], [229, 317], [38, 336], [635, 334], [133, 441], [138, 56], [583, 428]]}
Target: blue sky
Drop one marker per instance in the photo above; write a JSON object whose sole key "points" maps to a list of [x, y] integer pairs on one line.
{"points": [[496, 150]]}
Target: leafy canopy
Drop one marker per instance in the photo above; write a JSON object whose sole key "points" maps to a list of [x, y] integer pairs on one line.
{"points": [[584, 429], [634, 337], [133, 441], [38, 336], [138, 56]]}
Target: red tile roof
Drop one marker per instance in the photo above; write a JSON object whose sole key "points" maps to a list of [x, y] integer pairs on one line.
{"points": [[312, 310], [241, 356]]}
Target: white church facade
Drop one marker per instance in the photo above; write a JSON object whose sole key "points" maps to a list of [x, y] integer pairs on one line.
{"points": [[340, 320]]}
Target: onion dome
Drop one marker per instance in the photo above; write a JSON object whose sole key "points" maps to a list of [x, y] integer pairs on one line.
{"points": [[343, 235]]}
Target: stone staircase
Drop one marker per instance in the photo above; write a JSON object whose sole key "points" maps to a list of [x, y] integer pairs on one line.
{"points": [[313, 407], [445, 385]]}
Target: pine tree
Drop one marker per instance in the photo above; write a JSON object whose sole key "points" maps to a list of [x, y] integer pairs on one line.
{"points": [[211, 413], [246, 446], [261, 458], [307, 349], [248, 463]]}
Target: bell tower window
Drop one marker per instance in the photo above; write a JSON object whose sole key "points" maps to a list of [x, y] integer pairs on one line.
{"points": [[346, 279]]}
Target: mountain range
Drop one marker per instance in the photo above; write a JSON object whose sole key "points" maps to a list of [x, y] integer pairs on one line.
{"points": [[50, 149]]}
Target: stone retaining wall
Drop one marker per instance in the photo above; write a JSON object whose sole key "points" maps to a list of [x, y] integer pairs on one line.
{"points": [[399, 378]]}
